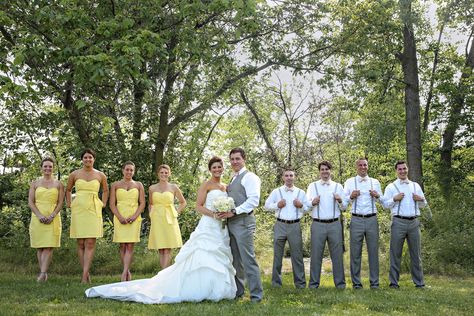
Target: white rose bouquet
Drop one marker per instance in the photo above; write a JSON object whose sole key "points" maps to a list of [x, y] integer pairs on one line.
{"points": [[223, 204]]}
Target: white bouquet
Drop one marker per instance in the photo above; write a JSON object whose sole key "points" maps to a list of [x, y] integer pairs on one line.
{"points": [[223, 204]]}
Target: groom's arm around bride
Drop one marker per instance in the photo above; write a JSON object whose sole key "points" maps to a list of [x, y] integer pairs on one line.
{"points": [[245, 190]]}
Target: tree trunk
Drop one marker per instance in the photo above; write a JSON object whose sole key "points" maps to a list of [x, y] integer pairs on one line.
{"points": [[412, 95], [455, 114], [74, 115]]}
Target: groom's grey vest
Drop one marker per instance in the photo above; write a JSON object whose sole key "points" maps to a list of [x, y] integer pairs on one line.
{"points": [[237, 191]]}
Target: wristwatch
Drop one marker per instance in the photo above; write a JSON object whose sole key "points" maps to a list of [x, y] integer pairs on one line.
{"points": [[233, 211]]}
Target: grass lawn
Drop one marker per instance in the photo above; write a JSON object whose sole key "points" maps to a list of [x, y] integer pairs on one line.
{"points": [[64, 295]]}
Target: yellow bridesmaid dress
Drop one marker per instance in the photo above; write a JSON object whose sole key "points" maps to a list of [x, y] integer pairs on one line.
{"points": [[45, 235], [86, 210], [164, 232], [127, 204]]}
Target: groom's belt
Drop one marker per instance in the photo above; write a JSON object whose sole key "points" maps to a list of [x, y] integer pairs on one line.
{"points": [[240, 215], [331, 220], [288, 221]]}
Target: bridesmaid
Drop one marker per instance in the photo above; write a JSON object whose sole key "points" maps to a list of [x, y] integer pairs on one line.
{"points": [[86, 209], [45, 199], [164, 232], [127, 201]]}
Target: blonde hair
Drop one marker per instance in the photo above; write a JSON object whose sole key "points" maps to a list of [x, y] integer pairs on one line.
{"points": [[164, 167]]}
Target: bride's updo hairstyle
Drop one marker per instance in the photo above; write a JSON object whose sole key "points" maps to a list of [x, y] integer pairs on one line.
{"points": [[213, 160]]}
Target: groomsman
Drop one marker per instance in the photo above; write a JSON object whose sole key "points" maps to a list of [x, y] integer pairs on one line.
{"points": [[289, 203], [363, 191], [326, 197], [405, 198]]}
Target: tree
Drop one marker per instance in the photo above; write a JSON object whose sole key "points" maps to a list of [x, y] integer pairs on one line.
{"points": [[129, 74], [409, 63]]}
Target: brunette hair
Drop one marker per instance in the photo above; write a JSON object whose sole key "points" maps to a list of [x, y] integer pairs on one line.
{"points": [[324, 163], [213, 160], [88, 151], [237, 150], [47, 159], [400, 162], [126, 163]]}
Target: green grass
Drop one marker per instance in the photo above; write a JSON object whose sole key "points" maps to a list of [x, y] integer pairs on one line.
{"points": [[64, 295]]}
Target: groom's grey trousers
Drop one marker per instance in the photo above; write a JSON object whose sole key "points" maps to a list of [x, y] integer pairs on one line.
{"points": [[241, 232]]}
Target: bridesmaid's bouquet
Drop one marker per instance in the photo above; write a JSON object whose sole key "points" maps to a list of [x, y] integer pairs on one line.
{"points": [[223, 204]]}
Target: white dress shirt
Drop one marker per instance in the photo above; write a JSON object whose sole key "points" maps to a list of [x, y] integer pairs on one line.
{"points": [[364, 204], [251, 182], [407, 206], [289, 212], [328, 207]]}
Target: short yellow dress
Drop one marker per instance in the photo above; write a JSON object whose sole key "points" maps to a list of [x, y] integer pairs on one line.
{"points": [[86, 210], [127, 204], [164, 232], [45, 235]]}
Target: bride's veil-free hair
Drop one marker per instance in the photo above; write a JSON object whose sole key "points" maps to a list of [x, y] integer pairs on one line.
{"points": [[213, 160]]}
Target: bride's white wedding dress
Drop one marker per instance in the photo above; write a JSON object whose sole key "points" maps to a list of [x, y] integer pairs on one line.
{"points": [[202, 270]]}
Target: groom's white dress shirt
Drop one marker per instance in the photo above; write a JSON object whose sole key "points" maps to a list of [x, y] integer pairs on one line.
{"points": [[251, 182]]}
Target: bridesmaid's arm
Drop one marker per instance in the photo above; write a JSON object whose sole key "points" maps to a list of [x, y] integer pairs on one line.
{"points": [[113, 204], [31, 202], [150, 199], [70, 183], [181, 199], [105, 189], [141, 202], [201, 199]]}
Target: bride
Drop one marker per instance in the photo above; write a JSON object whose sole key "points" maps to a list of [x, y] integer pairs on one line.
{"points": [[203, 268]]}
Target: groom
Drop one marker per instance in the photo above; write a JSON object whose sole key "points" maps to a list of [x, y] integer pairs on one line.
{"points": [[244, 188]]}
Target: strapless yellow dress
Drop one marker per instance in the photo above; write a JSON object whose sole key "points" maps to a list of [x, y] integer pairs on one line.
{"points": [[127, 204], [86, 210], [164, 232], [45, 235]]}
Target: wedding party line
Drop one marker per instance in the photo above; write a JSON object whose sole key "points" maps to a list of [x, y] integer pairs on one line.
{"points": [[218, 261]]}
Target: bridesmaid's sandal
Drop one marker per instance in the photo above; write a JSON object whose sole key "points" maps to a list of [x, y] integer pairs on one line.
{"points": [[124, 277], [129, 276], [42, 277], [86, 279]]}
